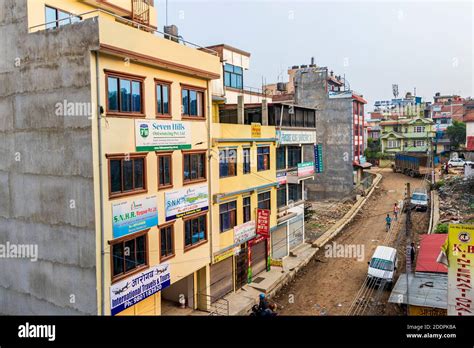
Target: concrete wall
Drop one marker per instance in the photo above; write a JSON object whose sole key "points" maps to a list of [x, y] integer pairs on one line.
{"points": [[333, 130], [46, 181]]}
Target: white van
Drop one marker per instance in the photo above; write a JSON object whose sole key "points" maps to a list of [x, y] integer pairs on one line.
{"points": [[419, 199], [382, 267]]}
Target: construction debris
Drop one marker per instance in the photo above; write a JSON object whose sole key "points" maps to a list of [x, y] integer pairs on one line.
{"points": [[456, 202]]}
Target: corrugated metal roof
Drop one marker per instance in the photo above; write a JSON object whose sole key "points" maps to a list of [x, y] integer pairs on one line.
{"points": [[430, 246], [425, 290]]}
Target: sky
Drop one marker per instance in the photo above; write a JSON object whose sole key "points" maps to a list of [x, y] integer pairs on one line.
{"points": [[427, 45]]}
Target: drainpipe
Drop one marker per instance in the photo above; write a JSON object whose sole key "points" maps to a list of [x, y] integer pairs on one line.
{"points": [[101, 184], [209, 156]]}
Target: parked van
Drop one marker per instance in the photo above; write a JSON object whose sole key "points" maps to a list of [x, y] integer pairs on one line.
{"points": [[419, 200], [382, 267]]}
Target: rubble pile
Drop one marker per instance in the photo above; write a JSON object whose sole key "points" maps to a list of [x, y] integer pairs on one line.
{"points": [[456, 200]]}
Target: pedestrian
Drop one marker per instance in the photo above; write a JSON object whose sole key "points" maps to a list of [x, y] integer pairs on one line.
{"points": [[412, 253], [396, 209], [446, 168], [263, 303], [388, 221]]}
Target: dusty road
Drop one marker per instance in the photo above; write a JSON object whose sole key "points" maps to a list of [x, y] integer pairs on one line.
{"points": [[328, 285]]}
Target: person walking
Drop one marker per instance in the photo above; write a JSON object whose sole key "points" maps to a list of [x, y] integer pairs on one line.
{"points": [[388, 221], [412, 253], [396, 209]]}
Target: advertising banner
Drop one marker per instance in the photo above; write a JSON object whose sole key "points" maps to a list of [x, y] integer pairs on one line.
{"points": [[305, 168], [318, 158], [296, 137], [282, 178], [138, 287], [158, 135], [244, 232], [458, 255], [134, 216], [256, 130], [263, 222], [186, 201]]}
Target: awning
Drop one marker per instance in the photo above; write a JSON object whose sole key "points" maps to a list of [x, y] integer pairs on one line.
{"points": [[363, 165]]}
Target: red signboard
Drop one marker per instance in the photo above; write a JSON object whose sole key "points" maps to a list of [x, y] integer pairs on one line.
{"points": [[263, 222]]}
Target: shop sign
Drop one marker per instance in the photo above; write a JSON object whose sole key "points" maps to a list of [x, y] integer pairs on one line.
{"points": [[134, 216], [162, 135], [281, 178], [318, 158], [256, 130], [223, 255], [136, 288], [263, 222], [186, 201], [296, 137], [305, 168], [244, 232]]}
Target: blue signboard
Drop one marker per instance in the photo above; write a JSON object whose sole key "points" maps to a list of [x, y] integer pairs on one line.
{"points": [[134, 216], [318, 158]]}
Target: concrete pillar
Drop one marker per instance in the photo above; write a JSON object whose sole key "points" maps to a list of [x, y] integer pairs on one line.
{"points": [[264, 112], [240, 109]]}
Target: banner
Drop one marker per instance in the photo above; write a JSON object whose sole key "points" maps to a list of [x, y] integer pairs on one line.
{"points": [[281, 178], [305, 168], [318, 158], [162, 135], [244, 232], [458, 255], [256, 130], [130, 291], [296, 137], [134, 216], [186, 201], [263, 222]]}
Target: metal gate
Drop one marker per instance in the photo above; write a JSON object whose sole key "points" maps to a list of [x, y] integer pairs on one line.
{"points": [[296, 231], [259, 258], [280, 242], [241, 268], [222, 280]]}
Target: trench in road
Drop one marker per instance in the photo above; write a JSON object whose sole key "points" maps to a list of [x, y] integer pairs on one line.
{"points": [[328, 285]]}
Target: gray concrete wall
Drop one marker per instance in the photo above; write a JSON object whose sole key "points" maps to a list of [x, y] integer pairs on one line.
{"points": [[333, 130], [46, 180]]}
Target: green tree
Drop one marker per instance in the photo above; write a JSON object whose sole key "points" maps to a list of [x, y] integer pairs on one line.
{"points": [[457, 133], [373, 149]]}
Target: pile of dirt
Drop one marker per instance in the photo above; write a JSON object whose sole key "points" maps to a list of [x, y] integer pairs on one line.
{"points": [[456, 200]]}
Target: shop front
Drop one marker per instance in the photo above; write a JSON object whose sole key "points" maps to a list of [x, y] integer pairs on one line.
{"points": [[222, 275], [258, 256], [279, 241]]}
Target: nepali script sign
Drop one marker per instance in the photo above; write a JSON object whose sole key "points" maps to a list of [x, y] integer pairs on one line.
{"points": [[244, 232], [162, 135], [134, 216], [296, 137], [186, 201], [130, 291]]}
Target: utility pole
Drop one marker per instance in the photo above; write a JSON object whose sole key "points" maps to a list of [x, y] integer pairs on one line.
{"points": [[408, 237]]}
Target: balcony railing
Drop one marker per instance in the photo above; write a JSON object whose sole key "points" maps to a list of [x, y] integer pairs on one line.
{"points": [[74, 18]]}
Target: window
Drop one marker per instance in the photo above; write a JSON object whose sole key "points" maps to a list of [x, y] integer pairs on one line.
{"points": [[128, 255], [233, 76], [419, 129], [127, 174], [309, 118], [295, 192], [163, 107], [419, 143], [264, 200], [59, 17], [124, 94], [246, 209], [227, 163], [281, 196], [294, 156], [166, 242], [165, 176], [263, 158], [391, 144], [281, 157], [228, 215], [246, 160], [194, 167], [192, 102], [195, 231]]}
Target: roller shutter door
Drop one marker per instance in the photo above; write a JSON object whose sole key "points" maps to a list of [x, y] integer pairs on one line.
{"points": [[259, 258], [279, 242], [296, 231], [221, 278]]}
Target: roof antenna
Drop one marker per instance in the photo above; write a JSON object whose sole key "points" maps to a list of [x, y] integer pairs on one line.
{"points": [[166, 12]]}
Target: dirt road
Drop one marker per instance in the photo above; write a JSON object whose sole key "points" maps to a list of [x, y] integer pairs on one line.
{"points": [[328, 285]]}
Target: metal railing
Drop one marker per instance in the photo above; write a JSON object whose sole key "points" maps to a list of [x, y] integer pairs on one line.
{"points": [[74, 18], [213, 305]]}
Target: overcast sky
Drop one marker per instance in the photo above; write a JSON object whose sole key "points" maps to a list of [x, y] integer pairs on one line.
{"points": [[422, 44]]}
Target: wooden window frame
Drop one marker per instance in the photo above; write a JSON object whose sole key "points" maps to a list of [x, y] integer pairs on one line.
{"points": [[164, 154], [269, 158], [121, 156], [269, 199], [202, 242], [228, 163], [244, 206], [168, 84], [228, 212], [204, 94], [194, 152], [173, 242], [249, 149], [138, 269], [124, 76]]}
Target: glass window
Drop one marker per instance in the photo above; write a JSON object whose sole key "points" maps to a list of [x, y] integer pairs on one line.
{"points": [[129, 255], [128, 99], [246, 160], [194, 167], [228, 215], [138, 173], [116, 175], [263, 158], [125, 95], [233, 76], [193, 102], [164, 170], [227, 163], [295, 192], [166, 241], [294, 156], [281, 196], [195, 231], [281, 157], [127, 174], [112, 84], [50, 14], [264, 200], [136, 97], [246, 209]]}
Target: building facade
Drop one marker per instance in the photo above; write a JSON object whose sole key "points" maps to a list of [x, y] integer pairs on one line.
{"points": [[410, 135]]}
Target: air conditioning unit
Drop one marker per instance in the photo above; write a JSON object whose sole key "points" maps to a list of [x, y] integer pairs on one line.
{"points": [[171, 33], [281, 86]]}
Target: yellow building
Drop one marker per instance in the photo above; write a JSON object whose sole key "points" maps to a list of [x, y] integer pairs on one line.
{"points": [[149, 153]]}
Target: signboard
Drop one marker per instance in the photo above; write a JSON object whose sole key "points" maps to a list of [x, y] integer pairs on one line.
{"points": [[263, 222], [318, 158], [138, 287], [161, 135], [256, 130], [222, 256], [296, 137], [305, 168], [186, 201], [458, 251], [282, 178], [134, 216], [244, 232]]}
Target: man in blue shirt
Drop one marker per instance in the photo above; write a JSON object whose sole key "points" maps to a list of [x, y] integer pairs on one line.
{"points": [[388, 220]]}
